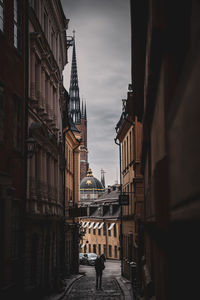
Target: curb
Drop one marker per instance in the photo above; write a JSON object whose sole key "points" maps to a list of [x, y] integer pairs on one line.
{"points": [[128, 294], [70, 285]]}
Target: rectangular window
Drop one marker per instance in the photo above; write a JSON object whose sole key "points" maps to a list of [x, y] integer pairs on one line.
{"points": [[1, 15], [85, 248], [15, 230], [99, 249], [2, 112], [115, 251], [17, 126], [99, 231], [110, 250], [94, 248], [17, 24], [94, 231], [89, 230], [46, 24], [104, 229], [36, 7], [89, 247], [115, 230], [109, 231], [105, 250]]}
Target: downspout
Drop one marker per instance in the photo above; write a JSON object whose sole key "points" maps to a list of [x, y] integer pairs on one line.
{"points": [[121, 216], [74, 172], [64, 205], [25, 135], [75, 228]]}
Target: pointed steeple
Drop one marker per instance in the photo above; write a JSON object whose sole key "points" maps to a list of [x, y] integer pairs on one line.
{"points": [[85, 112], [74, 106]]}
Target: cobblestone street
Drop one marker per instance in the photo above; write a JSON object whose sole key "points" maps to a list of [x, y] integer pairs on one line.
{"points": [[84, 288]]}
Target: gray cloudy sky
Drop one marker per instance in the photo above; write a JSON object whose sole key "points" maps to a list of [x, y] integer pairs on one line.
{"points": [[103, 58]]}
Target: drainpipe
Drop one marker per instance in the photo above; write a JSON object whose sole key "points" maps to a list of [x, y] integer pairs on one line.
{"points": [[120, 180], [25, 139], [64, 205], [79, 141], [75, 228]]}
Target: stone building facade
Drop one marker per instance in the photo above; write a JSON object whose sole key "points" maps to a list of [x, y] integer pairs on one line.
{"points": [[129, 134], [45, 173], [13, 95], [72, 191], [165, 78]]}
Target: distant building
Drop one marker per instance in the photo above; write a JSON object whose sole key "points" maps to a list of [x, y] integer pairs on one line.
{"points": [[78, 114], [90, 189], [100, 229]]}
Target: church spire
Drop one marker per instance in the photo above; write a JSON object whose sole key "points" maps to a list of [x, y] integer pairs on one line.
{"points": [[85, 112], [74, 106]]}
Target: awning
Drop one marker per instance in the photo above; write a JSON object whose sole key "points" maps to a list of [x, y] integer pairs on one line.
{"points": [[95, 226], [86, 224], [91, 225], [83, 223], [100, 225], [83, 245], [111, 226]]}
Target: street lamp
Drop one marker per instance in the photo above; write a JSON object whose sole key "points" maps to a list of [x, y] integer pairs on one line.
{"points": [[31, 146]]}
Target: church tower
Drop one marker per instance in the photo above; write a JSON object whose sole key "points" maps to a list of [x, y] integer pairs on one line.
{"points": [[78, 116]]}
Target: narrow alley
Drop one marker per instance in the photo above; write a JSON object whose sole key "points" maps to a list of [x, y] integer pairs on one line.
{"points": [[83, 287]]}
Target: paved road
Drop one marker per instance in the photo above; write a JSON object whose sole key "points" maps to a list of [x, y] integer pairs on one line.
{"points": [[84, 289]]}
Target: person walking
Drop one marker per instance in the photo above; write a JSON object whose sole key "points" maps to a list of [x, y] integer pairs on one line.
{"points": [[99, 267]]}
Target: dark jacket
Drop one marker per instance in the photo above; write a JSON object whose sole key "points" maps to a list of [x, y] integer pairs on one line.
{"points": [[99, 265]]}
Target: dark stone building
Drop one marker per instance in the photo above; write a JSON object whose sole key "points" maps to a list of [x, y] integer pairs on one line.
{"points": [[13, 95], [165, 80]]}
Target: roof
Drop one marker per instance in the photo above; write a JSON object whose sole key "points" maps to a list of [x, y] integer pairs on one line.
{"points": [[90, 183]]}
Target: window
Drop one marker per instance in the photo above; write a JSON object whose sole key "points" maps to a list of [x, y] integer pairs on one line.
{"points": [[105, 250], [17, 126], [94, 231], [89, 230], [1, 15], [89, 247], [94, 248], [115, 230], [109, 231], [115, 251], [2, 112], [15, 230], [99, 249], [85, 249], [99, 231], [17, 25], [110, 250], [104, 229], [46, 24], [36, 7]]}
